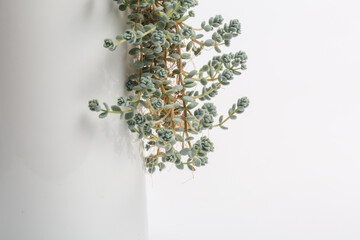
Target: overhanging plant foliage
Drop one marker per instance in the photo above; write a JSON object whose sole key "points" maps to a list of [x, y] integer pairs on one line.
{"points": [[163, 106]]}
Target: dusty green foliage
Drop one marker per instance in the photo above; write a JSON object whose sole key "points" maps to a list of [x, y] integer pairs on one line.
{"points": [[163, 103]]}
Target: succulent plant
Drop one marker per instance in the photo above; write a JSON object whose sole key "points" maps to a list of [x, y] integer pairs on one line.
{"points": [[108, 43], [162, 106], [157, 103], [130, 36], [176, 38], [162, 73], [139, 119], [187, 32], [121, 101], [94, 105], [158, 38], [165, 135]]}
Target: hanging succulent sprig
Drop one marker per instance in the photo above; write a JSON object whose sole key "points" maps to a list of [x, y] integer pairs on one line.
{"points": [[170, 119]]}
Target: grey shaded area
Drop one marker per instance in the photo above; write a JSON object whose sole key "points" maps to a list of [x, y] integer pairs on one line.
{"points": [[64, 173]]}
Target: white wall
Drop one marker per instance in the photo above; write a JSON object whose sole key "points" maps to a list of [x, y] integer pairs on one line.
{"points": [[289, 168], [65, 174]]}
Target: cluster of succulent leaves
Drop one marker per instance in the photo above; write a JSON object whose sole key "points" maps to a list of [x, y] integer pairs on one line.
{"points": [[163, 106]]}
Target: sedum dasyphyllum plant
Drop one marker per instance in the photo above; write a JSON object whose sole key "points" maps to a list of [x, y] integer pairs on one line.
{"points": [[164, 105]]}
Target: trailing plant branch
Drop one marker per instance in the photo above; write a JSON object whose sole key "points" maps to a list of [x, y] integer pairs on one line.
{"points": [[162, 107]]}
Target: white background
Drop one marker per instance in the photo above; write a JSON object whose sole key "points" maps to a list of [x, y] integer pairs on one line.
{"points": [[288, 168]]}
